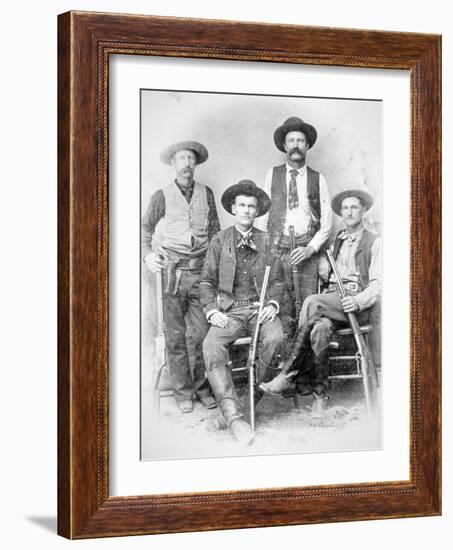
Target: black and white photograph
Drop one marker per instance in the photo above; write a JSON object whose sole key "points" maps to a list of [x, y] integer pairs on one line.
{"points": [[261, 274]]}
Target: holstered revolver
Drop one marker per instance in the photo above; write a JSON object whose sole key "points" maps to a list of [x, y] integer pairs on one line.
{"points": [[170, 277]]}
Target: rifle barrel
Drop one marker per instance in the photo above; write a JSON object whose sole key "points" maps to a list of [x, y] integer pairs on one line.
{"points": [[254, 345], [295, 272], [366, 358], [334, 266]]}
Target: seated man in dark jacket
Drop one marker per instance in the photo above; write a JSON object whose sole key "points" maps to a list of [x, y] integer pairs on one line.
{"points": [[230, 287]]}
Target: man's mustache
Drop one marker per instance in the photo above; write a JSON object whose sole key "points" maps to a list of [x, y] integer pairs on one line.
{"points": [[296, 150]]}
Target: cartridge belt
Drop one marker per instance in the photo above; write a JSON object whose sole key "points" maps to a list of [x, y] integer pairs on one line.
{"points": [[246, 302], [190, 264], [348, 285]]}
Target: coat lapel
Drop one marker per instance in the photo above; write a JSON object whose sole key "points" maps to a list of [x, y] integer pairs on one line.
{"points": [[227, 262]]}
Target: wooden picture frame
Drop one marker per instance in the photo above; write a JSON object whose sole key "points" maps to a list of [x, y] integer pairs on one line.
{"points": [[85, 41]]}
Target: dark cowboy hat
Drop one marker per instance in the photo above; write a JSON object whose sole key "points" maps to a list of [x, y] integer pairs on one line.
{"points": [[198, 148], [290, 125], [365, 198], [248, 188]]}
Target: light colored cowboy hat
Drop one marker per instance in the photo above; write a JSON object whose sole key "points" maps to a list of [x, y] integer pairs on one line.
{"points": [[248, 188], [293, 124], [198, 148], [365, 198]]}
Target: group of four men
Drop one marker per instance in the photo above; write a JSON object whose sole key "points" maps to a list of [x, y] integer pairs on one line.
{"points": [[212, 278]]}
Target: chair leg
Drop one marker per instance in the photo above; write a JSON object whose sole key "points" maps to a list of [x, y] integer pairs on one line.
{"points": [[373, 372]]}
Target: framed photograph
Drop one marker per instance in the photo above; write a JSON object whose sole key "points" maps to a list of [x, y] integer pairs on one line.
{"points": [[249, 275]]}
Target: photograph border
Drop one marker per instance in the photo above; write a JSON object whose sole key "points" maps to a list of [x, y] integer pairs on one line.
{"points": [[85, 42]]}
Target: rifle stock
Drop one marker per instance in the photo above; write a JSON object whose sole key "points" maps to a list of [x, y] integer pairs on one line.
{"points": [[159, 343]]}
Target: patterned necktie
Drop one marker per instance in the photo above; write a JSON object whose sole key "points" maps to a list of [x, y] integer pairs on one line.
{"points": [[246, 240], [293, 199]]}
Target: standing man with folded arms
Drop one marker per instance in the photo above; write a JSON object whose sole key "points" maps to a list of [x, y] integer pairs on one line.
{"points": [[186, 216]]}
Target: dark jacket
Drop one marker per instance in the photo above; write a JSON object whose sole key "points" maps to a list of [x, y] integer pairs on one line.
{"points": [[217, 276]]}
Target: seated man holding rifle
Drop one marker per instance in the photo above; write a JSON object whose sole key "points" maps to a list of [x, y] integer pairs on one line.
{"points": [[238, 264], [356, 252]]}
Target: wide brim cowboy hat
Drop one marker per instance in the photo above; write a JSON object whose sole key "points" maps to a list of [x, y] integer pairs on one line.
{"points": [[248, 188], [293, 124], [198, 148], [365, 198]]}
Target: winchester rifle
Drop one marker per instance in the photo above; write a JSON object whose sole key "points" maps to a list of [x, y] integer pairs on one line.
{"points": [[363, 352], [296, 274], [251, 361], [160, 351]]}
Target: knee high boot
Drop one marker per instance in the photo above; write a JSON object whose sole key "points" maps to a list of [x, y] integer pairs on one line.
{"points": [[284, 380], [321, 372], [320, 383], [264, 373], [223, 387]]}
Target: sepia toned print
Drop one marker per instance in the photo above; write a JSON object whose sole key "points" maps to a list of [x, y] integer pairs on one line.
{"points": [[261, 274]]}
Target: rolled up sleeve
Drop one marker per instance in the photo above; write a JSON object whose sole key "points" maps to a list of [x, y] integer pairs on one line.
{"points": [[372, 292], [323, 233]]}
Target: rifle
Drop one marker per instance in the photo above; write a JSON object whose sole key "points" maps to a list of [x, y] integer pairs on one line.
{"points": [[251, 361], [161, 357], [363, 352], [295, 273]]}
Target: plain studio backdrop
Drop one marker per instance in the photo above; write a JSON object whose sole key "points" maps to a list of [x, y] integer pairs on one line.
{"points": [[28, 290]]}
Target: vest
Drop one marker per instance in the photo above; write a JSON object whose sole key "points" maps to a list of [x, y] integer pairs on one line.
{"points": [[185, 225], [228, 264], [277, 212], [362, 254]]}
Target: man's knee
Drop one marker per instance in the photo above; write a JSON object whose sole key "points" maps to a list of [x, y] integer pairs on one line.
{"points": [[310, 307], [313, 301]]}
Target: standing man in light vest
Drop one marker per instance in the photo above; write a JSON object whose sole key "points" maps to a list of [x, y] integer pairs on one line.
{"points": [[300, 198], [184, 216]]}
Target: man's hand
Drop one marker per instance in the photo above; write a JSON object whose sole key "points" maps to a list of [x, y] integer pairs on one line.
{"points": [[349, 304], [154, 262], [324, 268], [300, 254], [219, 319], [268, 314]]}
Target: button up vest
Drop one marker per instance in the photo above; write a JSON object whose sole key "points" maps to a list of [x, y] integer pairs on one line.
{"points": [[277, 212], [362, 254], [185, 225]]}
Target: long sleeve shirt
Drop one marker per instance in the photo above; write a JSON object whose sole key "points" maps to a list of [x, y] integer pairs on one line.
{"points": [[300, 216], [222, 272], [156, 211], [349, 272]]}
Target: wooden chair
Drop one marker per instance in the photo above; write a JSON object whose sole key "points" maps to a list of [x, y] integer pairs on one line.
{"points": [[344, 359]]}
